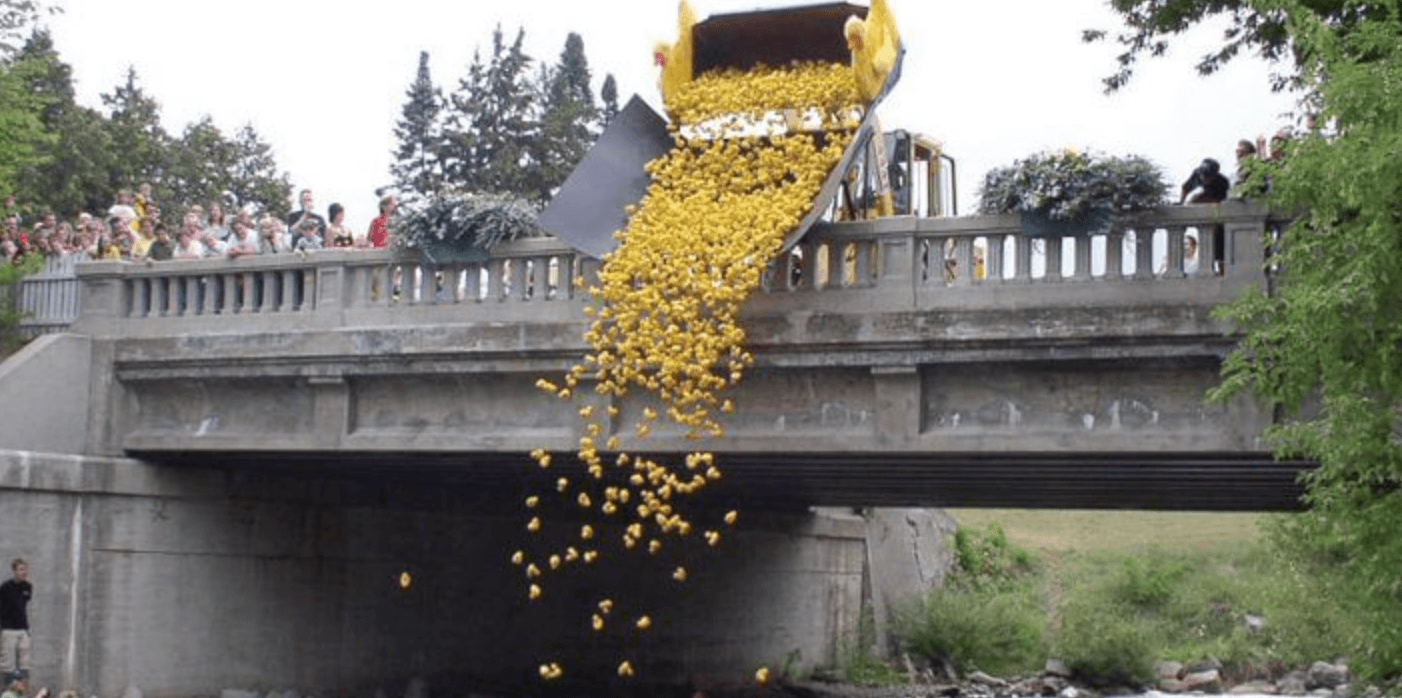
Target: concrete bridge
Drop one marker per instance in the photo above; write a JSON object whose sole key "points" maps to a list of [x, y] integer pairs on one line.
{"points": [[225, 463], [1075, 378]]}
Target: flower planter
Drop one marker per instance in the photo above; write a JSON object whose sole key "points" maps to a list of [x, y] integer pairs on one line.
{"points": [[1093, 222]]}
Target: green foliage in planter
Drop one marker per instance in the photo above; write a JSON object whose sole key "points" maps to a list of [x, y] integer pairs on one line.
{"points": [[1065, 185], [466, 220]]}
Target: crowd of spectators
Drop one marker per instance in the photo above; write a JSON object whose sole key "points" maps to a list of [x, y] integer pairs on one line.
{"points": [[134, 229]]}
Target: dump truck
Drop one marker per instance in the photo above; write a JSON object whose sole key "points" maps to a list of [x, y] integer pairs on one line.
{"points": [[880, 173]]}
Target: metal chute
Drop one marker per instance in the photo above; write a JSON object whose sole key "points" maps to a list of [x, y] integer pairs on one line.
{"points": [[589, 208]]}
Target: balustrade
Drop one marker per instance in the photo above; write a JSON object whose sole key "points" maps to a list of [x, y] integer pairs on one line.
{"points": [[888, 263]]}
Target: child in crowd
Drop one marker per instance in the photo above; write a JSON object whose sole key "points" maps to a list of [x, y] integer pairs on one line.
{"points": [[306, 236], [160, 249]]}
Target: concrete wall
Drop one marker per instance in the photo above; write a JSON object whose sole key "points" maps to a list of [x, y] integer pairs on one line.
{"points": [[46, 392], [185, 581]]}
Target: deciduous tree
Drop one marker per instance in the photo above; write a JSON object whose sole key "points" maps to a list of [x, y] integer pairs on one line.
{"points": [[1149, 26], [1324, 347]]}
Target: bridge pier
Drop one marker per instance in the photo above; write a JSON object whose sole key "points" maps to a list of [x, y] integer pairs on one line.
{"points": [[187, 580]]}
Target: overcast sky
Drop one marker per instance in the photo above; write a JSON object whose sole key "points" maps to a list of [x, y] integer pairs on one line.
{"points": [[324, 81]]}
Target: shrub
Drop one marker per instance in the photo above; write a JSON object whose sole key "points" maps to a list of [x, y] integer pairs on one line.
{"points": [[985, 559], [1147, 584], [1106, 649], [997, 631]]}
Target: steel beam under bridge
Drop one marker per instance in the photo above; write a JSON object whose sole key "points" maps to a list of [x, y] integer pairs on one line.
{"points": [[785, 482]]}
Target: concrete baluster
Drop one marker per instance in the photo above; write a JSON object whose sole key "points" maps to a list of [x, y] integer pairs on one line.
{"points": [[993, 262], [540, 278], [807, 268], [862, 264], [1083, 248], [496, 279], [963, 260], [1144, 254], [565, 276], [232, 304], [1022, 266], [1053, 247], [1114, 255], [267, 286], [308, 281], [287, 300], [520, 280], [1173, 267], [141, 298]]}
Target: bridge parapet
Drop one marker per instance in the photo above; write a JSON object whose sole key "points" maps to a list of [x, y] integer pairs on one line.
{"points": [[892, 264]]}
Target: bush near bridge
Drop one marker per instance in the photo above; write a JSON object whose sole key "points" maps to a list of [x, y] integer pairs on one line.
{"points": [[1110, 607]]}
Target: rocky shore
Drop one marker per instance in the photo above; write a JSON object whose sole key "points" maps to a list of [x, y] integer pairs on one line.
{"points": [[1319, 680]]}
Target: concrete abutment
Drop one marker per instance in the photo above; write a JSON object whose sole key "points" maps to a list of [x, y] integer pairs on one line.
{"points": [[184, 581]]}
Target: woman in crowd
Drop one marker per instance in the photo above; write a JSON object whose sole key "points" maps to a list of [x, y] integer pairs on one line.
{"points": [[244, 242], [338, 234], [189, 246], [272, 238], [217, 225]]}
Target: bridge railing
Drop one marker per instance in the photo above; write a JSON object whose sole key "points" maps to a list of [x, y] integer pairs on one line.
{"points": [[48, 299], [893, 263]]}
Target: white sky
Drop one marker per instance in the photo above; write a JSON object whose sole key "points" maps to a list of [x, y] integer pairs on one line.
{"points": [[324, 81]]}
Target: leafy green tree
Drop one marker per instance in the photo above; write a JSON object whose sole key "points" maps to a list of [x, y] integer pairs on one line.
{"points": [[609, 94], [416, 167], [1324, 348], [22, 132], [1252, 26], [75, 156], [493, 122], [568, 123]]}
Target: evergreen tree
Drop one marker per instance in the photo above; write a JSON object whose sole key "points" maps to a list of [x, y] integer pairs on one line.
{"points": [[493, 122], [201, 165], [254, 178], [416, 169], [609, 94], [569, 120], [139, 142]]}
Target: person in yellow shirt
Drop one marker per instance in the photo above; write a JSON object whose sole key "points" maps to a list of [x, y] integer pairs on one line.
{"points": [[143, 203], [143, 234]]}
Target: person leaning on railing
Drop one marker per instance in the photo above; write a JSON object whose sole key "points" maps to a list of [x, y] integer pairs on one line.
{"points": [[242, 241]]}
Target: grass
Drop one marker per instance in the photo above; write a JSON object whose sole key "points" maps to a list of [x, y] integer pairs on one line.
{"points": [[1052, 531], [1111, 592]]}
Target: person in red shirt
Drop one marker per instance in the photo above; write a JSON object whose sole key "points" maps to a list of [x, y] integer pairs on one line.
{"points": [[379, 228]]}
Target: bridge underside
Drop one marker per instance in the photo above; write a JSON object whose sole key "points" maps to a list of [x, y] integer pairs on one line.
{"points": [[783, 482]]}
